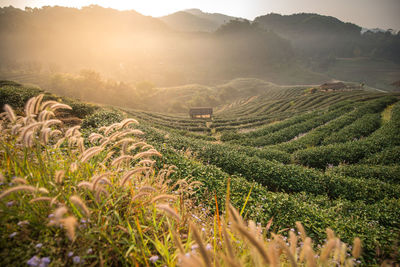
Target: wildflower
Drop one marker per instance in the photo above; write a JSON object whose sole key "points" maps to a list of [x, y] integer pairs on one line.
{"points": [[153, 259], [195, 246], [209, 247], [12, 235], [44, 262], [34, 261], [10, 203], [51, 215], [76, 260], [83, 221], [187, 255], [203, 229], [39, 245], [89, 251], [70, 254], [292, 229]]}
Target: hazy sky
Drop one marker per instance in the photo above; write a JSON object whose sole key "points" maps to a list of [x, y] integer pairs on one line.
{"points": [[366, 13]]}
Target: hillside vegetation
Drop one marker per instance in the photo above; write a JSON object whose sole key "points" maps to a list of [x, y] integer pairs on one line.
{"points": [[109, 193]]}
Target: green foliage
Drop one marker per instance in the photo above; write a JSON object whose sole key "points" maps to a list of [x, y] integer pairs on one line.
{"points": [[101, 118], [384, 173]]}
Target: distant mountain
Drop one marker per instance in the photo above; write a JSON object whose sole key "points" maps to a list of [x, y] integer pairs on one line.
{"points": [[324, 38], [184, 21], [193, 20]]}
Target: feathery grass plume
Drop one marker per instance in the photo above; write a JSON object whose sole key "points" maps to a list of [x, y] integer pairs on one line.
{"points": [[19, 180], [29, 106], [257, 244], [163, 197], [59, 176], [15, 128], [293, 243], [330, 234], [191, 261], [202, 248], [48, 123], [129, 174], [356, 248], [326, 251], [272, 254], [169, 211], [10, 113], [120, 159], [89, 153], [28, 119], [147, 146], [81, 145], [27, 188], [111, 128], [303, 234], [307, 252], [101, 177], [77, 201], [147, 154], [286, 249], [136, 145], [128, 131], [70, 224], [93, 137], [29, 128], [54, 133], [141, 194], [60, 106], [44, 135], [72, 131], [127, 122], [36, 103], [59, 212], [146, 162], [85, 184], [43, 190], [147, 188], [45, 115], [28, 140], [59, 142], [48, 199], [48, 103]]}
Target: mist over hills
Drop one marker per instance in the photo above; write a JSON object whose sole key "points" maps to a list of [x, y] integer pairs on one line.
{"points": [[192, 46]]}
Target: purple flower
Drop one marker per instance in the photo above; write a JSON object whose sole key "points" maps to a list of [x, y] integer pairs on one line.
{"points": [[39, 245], [44, 262], [76, 260], [153, 259], [10, 203], [12, 235], [209, 247], [89, 251], [34, 261], [70, 254]]}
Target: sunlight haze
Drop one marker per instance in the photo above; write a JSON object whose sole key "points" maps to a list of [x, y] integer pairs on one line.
{"points": [[365, 13]]}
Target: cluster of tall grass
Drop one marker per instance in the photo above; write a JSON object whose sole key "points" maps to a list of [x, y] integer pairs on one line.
{"points": [[108, 199]]}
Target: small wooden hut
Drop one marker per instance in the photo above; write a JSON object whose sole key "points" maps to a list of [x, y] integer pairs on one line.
{"points": [[201, 113]]}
